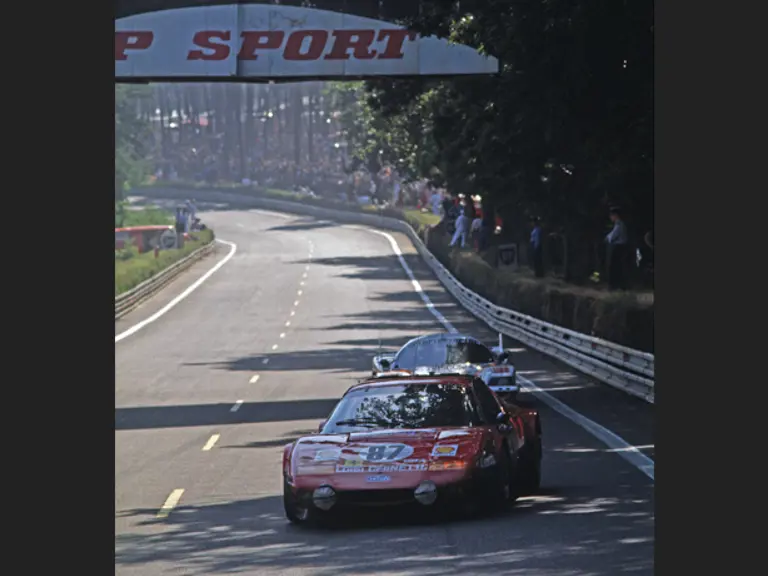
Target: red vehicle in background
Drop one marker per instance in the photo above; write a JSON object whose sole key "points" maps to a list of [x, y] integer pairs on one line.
{"points": [[146, 238], [423, 441]]}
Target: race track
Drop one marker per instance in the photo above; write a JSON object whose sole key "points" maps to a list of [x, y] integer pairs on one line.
{"points": [[207, 395]]}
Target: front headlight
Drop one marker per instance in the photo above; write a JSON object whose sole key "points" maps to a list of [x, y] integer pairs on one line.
{"points": [[324, 497]]}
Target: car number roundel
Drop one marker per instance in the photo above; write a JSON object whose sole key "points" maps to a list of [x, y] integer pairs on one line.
{"points": [[385, 452]]}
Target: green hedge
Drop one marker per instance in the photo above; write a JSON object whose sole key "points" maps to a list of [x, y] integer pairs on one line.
{"points": [[132, 268]]}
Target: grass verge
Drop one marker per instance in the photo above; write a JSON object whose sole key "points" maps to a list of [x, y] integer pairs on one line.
{"points": [[132, 268]]}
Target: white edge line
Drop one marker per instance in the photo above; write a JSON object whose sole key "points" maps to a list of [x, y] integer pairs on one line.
{"points": [[620, 446], [613, 441], [136, 327]]}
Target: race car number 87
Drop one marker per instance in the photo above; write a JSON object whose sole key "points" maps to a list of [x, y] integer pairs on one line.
{"points": [[385, 452]]}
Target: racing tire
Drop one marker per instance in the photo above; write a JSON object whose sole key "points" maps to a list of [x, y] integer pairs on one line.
{"points": [[296, 512], [504, 494], [529, 469], [498, 496]]}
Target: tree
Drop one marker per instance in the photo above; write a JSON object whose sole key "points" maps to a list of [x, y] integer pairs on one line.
{"points": [[562, 131], [131, 135]]}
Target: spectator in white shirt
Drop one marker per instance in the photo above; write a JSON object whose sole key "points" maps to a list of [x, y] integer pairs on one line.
{"points": [[462, 226]]}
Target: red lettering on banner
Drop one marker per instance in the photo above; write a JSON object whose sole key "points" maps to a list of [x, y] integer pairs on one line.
{"points": [[300, 46], [393, 49], [317, 41], [359, 40], [204, 40], [252, 41], [131, 41]]}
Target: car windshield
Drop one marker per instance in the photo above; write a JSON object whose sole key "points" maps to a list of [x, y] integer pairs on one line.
{"points": [[442, 352], [403, 406]]}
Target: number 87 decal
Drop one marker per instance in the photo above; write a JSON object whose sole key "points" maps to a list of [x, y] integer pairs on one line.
{"points": [[385, 452]]}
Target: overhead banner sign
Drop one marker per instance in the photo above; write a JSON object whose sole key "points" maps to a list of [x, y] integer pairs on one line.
{"points": [[275, 42]]}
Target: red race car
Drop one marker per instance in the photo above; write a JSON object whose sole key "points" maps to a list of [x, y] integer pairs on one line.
{"points": [[417, 440]]}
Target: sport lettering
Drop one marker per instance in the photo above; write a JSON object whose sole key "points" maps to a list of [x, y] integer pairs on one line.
{"points": [[297, 46], [124, 41]]}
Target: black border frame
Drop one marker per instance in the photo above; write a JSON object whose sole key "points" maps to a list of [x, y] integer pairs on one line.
{"points": [[59, 132], [62, 439]]}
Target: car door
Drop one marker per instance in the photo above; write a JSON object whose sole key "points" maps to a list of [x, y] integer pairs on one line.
{"points": [[491, 407]]}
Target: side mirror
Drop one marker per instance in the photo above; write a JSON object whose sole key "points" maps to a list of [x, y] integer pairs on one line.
{"points": [[502, 421], [322, 425], [385, 365]]}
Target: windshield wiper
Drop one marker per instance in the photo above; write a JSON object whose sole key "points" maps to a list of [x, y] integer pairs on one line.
{"points": [[369, 422]]}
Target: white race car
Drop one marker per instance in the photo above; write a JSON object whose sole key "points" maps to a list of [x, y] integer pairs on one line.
{"points": [[452, 353]]}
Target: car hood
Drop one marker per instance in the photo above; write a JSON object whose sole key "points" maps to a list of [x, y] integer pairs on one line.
{"points": [[393, 452]]}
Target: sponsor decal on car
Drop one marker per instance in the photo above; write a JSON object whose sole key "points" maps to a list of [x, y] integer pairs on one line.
{"points": [[378, 478], [368, 468], [445, 450]]}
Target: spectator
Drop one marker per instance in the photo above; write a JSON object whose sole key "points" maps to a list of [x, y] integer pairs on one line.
{"points": [[181, 226], [536, 250], [617, 240], [475, 232], [192, 209], [462, 227]]}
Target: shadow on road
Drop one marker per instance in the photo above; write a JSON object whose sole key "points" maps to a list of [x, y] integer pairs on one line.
{"points": [[368, 267], [147, 417], [273, 442], [303, 224], [592, 518], [338, 360]]}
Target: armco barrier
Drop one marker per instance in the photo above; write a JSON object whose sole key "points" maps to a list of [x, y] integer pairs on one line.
{"points": [[629, 370], [129, 300]]}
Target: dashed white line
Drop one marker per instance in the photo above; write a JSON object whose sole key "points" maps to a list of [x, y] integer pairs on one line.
{"points": [[293, 312], [288, 323], [265, 361], [299, 293], [236, 407], [274, 346], [282, 335], [254, 379], [136, 327], [301, 283], [170, 503], [304, 275], [211, 441], [306, 267], [296, 303]]}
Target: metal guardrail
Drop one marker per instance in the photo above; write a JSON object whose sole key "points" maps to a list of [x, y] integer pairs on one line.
{"points": [[129, 300], [624, 368]]}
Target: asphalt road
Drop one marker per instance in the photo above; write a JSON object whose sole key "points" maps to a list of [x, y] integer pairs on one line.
{"points": [[258, 354]]}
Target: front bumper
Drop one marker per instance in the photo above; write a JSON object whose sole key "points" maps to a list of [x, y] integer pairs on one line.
{"points": [[479, 483]]}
